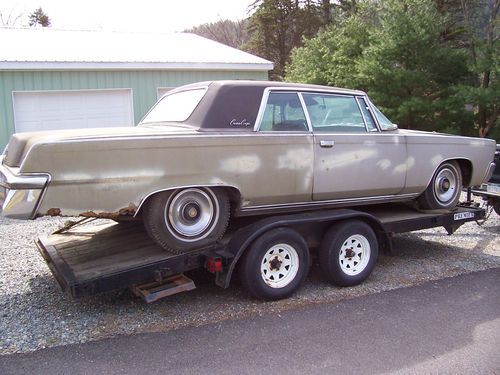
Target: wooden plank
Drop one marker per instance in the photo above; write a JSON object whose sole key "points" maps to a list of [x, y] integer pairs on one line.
{"points": [[93, 251]]}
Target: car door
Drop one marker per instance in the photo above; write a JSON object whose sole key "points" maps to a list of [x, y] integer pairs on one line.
{"points": [[353, 158], [284, 144]]}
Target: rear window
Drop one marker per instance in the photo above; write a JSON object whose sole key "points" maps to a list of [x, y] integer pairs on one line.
{"points": [[176, 107]]}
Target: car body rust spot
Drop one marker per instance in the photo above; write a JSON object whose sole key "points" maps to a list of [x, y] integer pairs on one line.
{"points": [[54, 212]]}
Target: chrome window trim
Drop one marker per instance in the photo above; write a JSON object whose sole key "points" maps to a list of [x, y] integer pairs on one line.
{"points": [[262, 110], [319, 132], [306, 112], [363, 115], [371, 105], [299, 90]]}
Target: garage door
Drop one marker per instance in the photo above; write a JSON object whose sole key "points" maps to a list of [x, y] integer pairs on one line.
{"points": [[56, 110]]}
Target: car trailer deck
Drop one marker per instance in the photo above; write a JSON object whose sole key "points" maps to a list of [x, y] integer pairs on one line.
{"points": [[95, 258]]}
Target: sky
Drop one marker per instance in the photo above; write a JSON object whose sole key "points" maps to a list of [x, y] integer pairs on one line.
{"points": [[127, 15]]}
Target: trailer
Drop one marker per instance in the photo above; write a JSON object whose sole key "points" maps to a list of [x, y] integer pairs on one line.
{"points": [[270, 254]]}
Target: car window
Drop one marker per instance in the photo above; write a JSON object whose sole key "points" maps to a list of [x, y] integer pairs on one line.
{"points": [[383, 121], [370, 123], [334, 113], [175, 107], [283, 113]]}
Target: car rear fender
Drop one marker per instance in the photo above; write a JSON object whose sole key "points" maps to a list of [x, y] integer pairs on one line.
{"points": [[232, 191]]}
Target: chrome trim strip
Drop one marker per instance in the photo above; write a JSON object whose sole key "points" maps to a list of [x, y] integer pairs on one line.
{"points": [[262, 109], [306, 112], [329, 202]]}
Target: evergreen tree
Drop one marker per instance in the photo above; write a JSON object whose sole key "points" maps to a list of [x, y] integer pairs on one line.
{"points": [[39, 17]]}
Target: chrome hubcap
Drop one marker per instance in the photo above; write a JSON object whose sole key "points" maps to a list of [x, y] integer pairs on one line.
{"points": [[445, 185], [190, 213]]}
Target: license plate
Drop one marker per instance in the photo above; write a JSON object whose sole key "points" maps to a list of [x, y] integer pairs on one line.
{"points": [[493, 188], [463, 215]]}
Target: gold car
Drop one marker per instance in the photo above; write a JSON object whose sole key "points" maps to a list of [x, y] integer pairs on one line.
{"points": [[210, 150]]}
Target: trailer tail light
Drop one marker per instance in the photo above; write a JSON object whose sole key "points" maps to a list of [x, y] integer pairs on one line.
{"points": [[214, 265]]}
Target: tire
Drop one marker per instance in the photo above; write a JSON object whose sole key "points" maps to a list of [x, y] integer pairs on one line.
{"points": [[186, 219], [275, 265], [496, 205], [444, 189], [348, 253]]}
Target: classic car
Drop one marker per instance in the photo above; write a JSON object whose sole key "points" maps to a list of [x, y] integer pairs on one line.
{"points": [[209, 150]]}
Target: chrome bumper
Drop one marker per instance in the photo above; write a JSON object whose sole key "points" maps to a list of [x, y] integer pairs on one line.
{"points": [[20, 195]]}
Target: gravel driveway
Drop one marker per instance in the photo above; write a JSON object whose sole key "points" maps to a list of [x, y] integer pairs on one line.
{"points": [[35, 314]]}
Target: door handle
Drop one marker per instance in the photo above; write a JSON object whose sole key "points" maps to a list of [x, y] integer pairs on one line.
{"points": [[326, 144]]}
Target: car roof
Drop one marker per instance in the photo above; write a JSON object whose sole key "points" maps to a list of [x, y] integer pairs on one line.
{"points": [[271, 84]]}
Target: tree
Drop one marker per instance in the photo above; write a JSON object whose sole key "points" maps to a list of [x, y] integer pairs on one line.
{"points": [[395, 50], [277, 26], [480, 21], [330, 57], [11, 19], [39, 17], [410, 71], [230, 33]]}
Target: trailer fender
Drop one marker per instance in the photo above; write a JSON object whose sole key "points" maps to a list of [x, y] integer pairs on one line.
{"points": [[244, 237]]}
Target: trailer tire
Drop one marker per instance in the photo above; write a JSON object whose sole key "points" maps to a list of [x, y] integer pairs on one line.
{"points": [[186, 219], [275, 265], [348, 253]]}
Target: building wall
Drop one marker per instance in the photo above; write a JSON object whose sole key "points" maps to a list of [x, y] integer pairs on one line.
{"points": [[144, 85]]}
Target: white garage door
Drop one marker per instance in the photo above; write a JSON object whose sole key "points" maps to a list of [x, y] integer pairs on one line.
{"points": [[56, 110]]}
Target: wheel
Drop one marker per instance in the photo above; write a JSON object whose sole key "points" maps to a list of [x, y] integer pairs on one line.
{"points": [[184, 219], [275, 265], [444, 189], [496, 205], [348, 253]]}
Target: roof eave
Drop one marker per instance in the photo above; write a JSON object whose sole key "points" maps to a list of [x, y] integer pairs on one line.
{"points": [[47, 65]]}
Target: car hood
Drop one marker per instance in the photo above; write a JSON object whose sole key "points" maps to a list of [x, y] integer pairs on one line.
{"points": [[21, 143]]}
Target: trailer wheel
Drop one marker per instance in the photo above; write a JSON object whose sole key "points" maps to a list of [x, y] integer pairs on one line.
{"points": [[275, 265], [185, 219], [444, 189], [348, 253]]}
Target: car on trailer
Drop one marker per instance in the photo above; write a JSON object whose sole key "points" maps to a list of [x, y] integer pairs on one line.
{"points": [[211, 150]]}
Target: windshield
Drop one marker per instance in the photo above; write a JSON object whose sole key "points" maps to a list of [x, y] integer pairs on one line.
{"points": [[176, 107], [384, 122]]}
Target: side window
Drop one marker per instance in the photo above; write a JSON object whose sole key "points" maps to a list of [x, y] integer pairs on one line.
{"points": [[370, 124], [283, 113], [384, 122], [334, 113]]}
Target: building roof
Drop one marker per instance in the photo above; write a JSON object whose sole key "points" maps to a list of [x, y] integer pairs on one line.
{"points": [[46, 48]]}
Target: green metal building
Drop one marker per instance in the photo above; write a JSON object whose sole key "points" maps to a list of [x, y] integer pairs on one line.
{"points": [[54, 79]]}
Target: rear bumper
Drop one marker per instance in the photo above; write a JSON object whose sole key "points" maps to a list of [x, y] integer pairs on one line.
{"points": [[489, 172], [20, 194]]}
